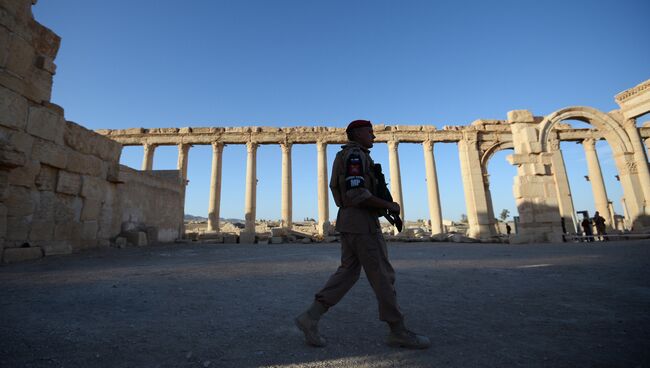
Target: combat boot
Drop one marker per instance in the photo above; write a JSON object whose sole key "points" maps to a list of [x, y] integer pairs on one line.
{"points": [[400, 336], [307, 322]]}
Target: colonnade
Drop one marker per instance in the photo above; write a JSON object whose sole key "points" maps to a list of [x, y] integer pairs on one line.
{"points": [[287, 200]]}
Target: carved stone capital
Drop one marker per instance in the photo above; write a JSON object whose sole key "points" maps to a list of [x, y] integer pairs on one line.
{"points": [[392, 145], [218, 146], [251, 146], [286, 147], [428, 145], [321, 145], [589, 144]]}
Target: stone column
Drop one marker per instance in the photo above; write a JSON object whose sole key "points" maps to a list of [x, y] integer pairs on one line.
{"points": [[323, 199], [286, 186], [183, 154], [147, 160], [215, 187], [478, 219], [641, 161], [596, 178], [395, 177], [565, 199], [534, 186], [251, 188], [435, 212], [647, 147]]}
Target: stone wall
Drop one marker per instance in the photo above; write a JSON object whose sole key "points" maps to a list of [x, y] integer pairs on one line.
{"points": [[60, 184], [150, 199]]}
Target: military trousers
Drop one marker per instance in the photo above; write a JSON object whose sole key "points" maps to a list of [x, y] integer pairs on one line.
{"points": [[367, 251]]}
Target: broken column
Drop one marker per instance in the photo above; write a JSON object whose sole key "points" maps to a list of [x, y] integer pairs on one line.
{"points": [[534, 187]]}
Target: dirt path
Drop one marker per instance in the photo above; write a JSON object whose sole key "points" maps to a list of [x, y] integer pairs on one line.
{"points": [[483, 305]]}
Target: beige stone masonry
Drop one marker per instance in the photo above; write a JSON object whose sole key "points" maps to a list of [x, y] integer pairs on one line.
{"points": [[68, 183]]}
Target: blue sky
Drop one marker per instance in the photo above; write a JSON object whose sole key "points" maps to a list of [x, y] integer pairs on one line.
{"points": [[166, 63]]}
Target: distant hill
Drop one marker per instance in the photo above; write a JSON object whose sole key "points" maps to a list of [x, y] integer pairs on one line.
{"points": [[189, 217]]}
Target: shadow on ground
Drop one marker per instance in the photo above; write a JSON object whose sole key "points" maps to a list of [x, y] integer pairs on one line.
{"points": [[483, 305]]}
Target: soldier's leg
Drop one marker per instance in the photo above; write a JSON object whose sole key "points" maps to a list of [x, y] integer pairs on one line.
{"points": [[336, 287], [372, 253], [345, 276], [374, 258]]}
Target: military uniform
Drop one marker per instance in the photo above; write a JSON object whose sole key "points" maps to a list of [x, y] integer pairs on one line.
{"points": [[362, 243]]}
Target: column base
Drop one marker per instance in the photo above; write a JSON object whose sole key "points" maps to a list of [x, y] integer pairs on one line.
{"points": [[247, 238]]}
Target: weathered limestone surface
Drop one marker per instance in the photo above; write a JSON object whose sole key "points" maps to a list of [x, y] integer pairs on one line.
{"points": [[59, 185]]}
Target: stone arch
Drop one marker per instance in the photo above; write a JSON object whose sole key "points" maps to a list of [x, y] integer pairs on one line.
{"points": [[498, 146], [612, 129]]}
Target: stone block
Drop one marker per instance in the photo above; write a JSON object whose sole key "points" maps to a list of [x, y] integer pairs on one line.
{"points": [[25, 175], [57, 248], [91, 209], [68, 183], [12, 255], [20, 201], [246, 238], [9, 157], [50, 153], [45, 123], [84, 164], [152, 234], [230, 239], [89, 231], [120, 242], [46, 178], [13, 109], [88, 142], [5, 38], [21, 57], [277, 240], [45, 208], [19, 140], [71, 231], [136, 238], [278, 231], [3, 221], [41, 230], [93, 188], [520, 116]]}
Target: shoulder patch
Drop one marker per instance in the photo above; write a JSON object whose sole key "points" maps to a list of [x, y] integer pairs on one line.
{"points": [[354, 172]]}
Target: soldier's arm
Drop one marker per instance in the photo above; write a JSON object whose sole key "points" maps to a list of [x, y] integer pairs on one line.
{"points": [[376, 202]]}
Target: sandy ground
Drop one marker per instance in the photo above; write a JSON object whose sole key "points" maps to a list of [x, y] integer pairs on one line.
{"points": [[231, 305]]}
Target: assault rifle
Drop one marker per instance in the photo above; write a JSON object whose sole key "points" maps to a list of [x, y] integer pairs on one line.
{"points": [[382, 192]]}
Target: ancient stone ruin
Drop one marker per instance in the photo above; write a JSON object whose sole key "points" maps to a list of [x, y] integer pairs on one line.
{"points": [[62, 188]]}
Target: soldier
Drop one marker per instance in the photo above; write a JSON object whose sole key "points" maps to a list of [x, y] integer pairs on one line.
{"points": [[362, 243]]}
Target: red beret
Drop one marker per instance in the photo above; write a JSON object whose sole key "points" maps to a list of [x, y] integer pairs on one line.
{"points": [[358, 124]]}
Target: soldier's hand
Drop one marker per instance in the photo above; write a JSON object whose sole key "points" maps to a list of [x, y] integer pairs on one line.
{"points": [[393, 207]]}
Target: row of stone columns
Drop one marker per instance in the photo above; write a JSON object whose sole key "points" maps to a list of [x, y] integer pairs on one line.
{"points": [[286, 201], [475, 183]]}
